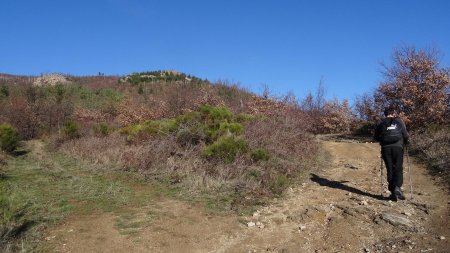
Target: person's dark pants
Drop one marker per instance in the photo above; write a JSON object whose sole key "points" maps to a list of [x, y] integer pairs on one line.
{"points": [[393, 159]]}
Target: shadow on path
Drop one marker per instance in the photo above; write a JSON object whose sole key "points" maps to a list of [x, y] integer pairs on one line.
{"points": [[340, 185]]}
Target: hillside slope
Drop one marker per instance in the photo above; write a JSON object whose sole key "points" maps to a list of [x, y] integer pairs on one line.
{"points": [[338, 210]]}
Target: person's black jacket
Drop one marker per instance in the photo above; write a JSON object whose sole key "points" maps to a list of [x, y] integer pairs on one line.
{"points": [[384, 122]]}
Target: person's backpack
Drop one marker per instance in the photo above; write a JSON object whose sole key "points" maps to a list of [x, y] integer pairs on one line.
{"points": [[391, 131]]}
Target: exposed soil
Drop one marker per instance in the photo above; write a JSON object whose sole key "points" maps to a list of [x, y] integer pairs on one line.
{"points": [[338, 210]]}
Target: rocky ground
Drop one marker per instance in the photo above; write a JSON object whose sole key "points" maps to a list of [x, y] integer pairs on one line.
{"points": [[339, 209]]}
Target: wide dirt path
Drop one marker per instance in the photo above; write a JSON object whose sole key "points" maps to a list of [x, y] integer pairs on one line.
{"points": [[338, 210]]}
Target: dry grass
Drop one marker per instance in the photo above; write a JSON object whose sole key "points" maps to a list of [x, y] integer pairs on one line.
{"points": [[162, 157], [433, 146]]}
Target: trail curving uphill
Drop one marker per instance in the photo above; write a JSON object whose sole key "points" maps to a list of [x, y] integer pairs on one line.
{"points": [[338, 210]]}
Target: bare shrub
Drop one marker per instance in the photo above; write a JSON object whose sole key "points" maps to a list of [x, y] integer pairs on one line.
{"points": [[52, 115], [364, 108], [181, 97], [114, 150], [34, 112], [433, 145], [286, 139], [234, 96], [328, 116], [337, 117], [17, 111]]}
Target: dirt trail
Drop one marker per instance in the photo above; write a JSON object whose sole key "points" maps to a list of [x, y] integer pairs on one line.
{"points": [[338, 210]]}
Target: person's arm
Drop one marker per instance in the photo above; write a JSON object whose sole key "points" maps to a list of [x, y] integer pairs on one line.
{"points": [[405, 133], [376, 135]]}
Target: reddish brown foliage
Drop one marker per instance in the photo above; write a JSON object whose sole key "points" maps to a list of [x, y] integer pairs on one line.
{"points": [[337, 117], [417, 86]]}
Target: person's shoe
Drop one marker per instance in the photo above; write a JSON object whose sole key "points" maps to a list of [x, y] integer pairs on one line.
{"points": [[393, 197], [399, 194]]}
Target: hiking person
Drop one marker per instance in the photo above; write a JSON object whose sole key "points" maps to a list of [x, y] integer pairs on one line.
{"points": [[392, 135]]}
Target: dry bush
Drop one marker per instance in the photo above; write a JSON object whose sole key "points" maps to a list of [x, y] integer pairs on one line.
{"points": [[19, 113], [33, 112], [99, 82], [280, 134], [181, 97], [233, 96], [328, 116], [286, 139], [6, 79], [417, 86], [155, 159], [115, 150], [433, 146], [365, 109], [336, 117]]}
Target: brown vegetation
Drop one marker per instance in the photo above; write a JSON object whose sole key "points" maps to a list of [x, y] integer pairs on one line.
{"points": [[328, 116], [415, 84], [418, 87]]}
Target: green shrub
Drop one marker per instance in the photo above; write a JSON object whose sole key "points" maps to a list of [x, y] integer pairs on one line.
{"points": [[190, 136], [164, 127], [254, 174], [71, 129], [278, 184], [60, 92], [189, 118], [9, 138], [109, 94], [215, 115], [223, 129], [432, 145], [102, 129], [231, 128], [167, 126], [104, 99], [4, 91], [259, 155], [225, 149], [141, 89], [244, 117]]}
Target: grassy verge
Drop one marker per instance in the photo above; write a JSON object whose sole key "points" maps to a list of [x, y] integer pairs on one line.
{"points": [[37, 191]]}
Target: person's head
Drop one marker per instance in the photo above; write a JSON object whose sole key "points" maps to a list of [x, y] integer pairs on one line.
{"points": [[389, 111]]}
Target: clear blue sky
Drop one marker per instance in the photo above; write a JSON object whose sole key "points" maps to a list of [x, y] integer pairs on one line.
{"points": [[287, 44]]}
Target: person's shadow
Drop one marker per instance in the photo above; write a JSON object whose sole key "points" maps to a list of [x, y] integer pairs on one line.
{"points": [[340, 185]]}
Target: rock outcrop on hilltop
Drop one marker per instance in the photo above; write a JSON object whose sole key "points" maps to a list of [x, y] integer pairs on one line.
{"points": [[51, 80]]}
